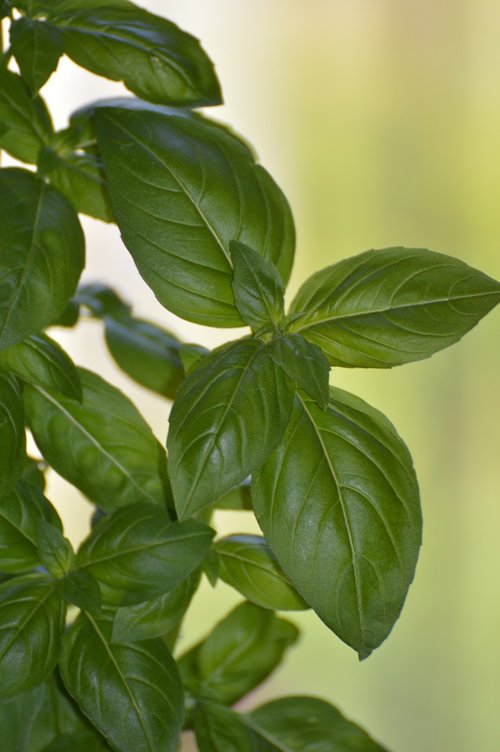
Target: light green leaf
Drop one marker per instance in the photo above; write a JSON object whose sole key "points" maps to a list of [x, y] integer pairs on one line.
{"points": [[238, 654], [37, 47], [257, 286], [39, 360], [338, 503], [186, 188], [137, 685], [79, 177], [31, 626], [42, 254], [388, 307], [137, 554], [304, 363], [146, 352], [103, 446], [55, 551], [229, 415], [12, 434], [25, 124], [247, 563]]}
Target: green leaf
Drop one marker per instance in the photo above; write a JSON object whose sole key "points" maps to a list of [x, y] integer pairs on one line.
{"points": [[146, 352], [229, 415], [257, 286], [338, 503], [37, 47], [69, 317], [153, 57], [238, 499], [137, 685], [156, 617], [55, 551], [238, 654], [388, 307], [82, 590], [304, 363], [25, 124], [80, 178], [86, 741], [42, 254], [34, 473], [190, 354], [102, 301], [31, 625], [39, 360], [247, 563], [103, 446], [220, 728], [137, 554], [186, 188], [12, 434]]}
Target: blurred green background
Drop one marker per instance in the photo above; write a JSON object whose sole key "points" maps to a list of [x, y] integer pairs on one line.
{"points": [[380, 119]]}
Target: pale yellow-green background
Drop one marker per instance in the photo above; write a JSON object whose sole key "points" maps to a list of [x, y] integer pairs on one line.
{"points": [[381, 121]]}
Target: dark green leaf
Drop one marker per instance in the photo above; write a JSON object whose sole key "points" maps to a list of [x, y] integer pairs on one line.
{"points": [[102, 301], [55, 551], [12, 434], [82, 590], [42, 254], [39, 360], [156, 617], [338, 503], [69, 317], [131, 693], [146, 352], [25, 124], [220, 729], [190, 354], [31, 626], [103, 445], [238, 498], [86, 741], [34, 473], [185, 189], [137, 554], [385, 308], [304, 363], [79, 177], [257, 286], [239, 654], [37, 47], [229, 415], [248, 564]]}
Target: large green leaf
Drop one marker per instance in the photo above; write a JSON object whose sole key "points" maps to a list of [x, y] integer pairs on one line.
{"points": [[257, 286], [131, 693], [80, 178], [184, 191], [41, 254], [247, 563], [388, 307], [229, 415], [31, 626], [25, 124], [103, 446], [37, 47], [238, 654], [137, 553], [338, 503], [12, 434], [40, 360]]}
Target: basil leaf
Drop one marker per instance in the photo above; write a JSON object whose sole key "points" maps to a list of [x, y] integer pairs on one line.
{"points": [[82, 590], [25, 124], [238, 654], [102, 446], [41, 254], [86, 741], [304, 363], [137, 553], [186, 188], [153, 57], [40, 360], [156, 617], [190, 354], [146, 352], [37, 47], [55, 551], [12, 434], [34, 473], [338, 503], [138, 684], [257, 286], [31, 626], [229, 415], [238, 498], [247, 563], [385, 308], [79, 177], [102, 301], [220, 728]]}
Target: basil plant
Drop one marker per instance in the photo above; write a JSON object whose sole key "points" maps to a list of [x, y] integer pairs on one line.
{"points": [[87, 637]]}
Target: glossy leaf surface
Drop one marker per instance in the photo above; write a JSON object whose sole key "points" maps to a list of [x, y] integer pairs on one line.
{"points": [[25, 124], [82, 590], [55, 551], [131, 693], [388, 307], [228, 417], [12, 435], [304, 364], [37, 47], [181, 189], [102, 445], [41, 254], [338, 503], [257, 286]]}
